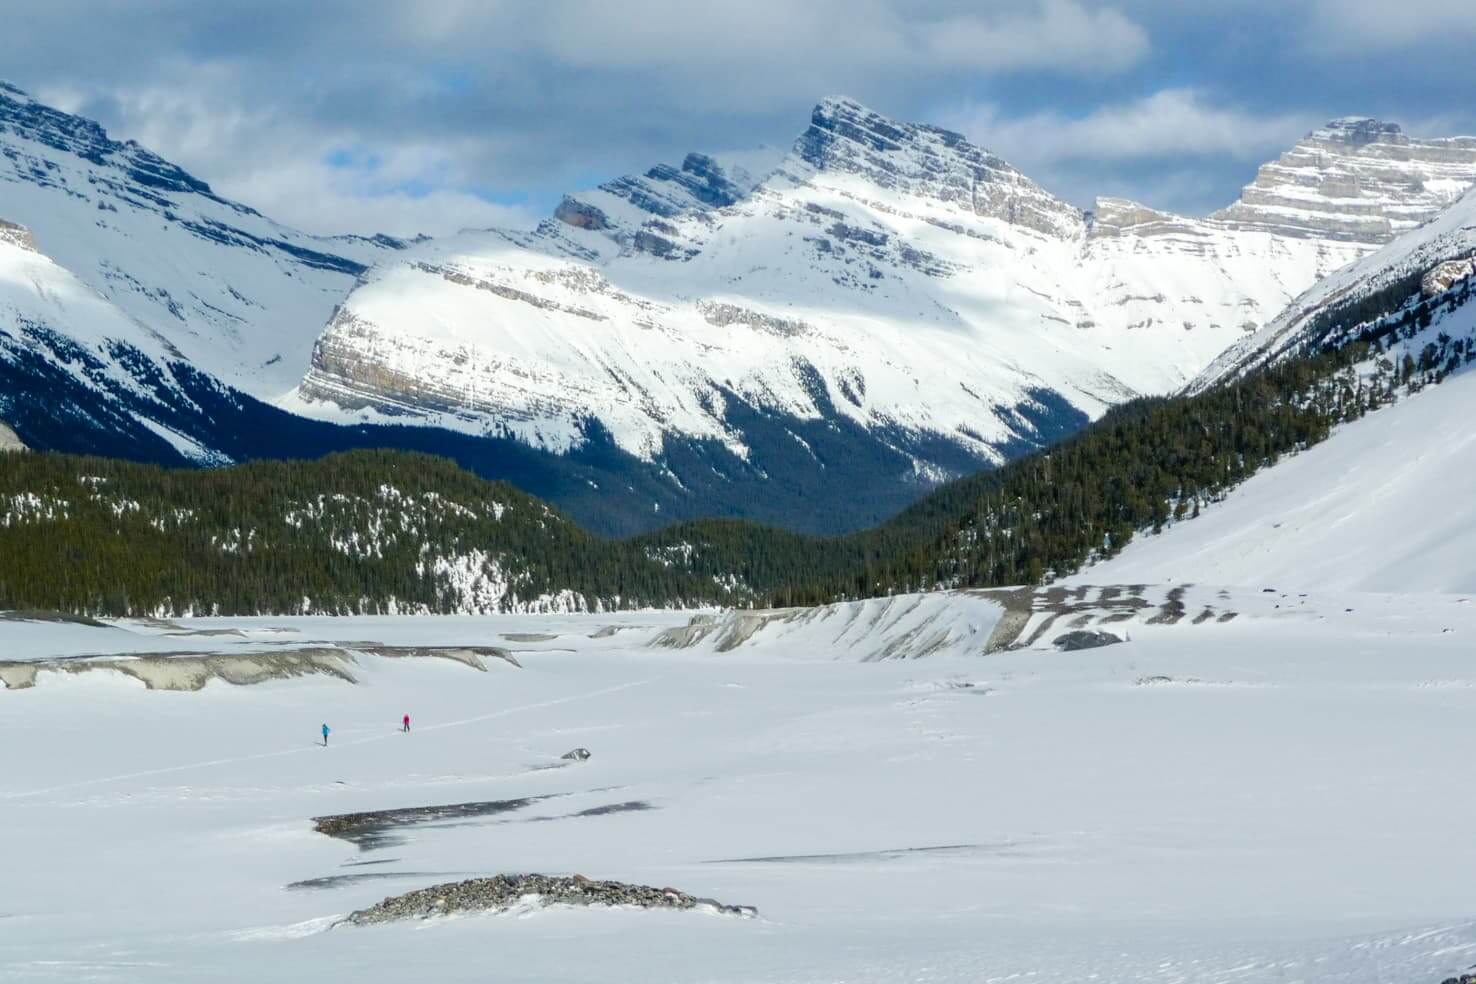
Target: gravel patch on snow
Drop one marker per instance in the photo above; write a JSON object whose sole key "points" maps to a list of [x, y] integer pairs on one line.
{"points": [[502, 892]]}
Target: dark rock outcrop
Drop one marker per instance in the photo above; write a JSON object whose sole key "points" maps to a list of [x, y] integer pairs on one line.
{"points": [[503, 891], [1084, 639]]}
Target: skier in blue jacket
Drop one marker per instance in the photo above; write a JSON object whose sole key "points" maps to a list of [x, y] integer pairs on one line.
{"points": [[325, 735]]}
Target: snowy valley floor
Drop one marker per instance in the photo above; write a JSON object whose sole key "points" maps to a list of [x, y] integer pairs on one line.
{"points": [[1283, 795]]}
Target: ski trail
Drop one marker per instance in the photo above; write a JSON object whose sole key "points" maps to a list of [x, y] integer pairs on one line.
{"points": [[298, 750]]}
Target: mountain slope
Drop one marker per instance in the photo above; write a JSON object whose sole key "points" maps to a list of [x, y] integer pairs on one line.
{"points": [[1381, 506]]}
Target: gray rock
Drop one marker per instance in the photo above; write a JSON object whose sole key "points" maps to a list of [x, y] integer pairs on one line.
{"points": [[576, 755], [501, 892], [1084, 639]]}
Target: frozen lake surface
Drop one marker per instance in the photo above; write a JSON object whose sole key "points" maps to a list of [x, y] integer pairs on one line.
{"points": [[1282, 795]]}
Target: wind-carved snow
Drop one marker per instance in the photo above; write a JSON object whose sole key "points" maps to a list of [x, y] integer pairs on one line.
{"points": [[883, 272], [899, 627]]}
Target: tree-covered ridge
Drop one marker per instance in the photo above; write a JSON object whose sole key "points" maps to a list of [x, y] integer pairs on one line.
{"points": [[379, 531], [359, 532]]}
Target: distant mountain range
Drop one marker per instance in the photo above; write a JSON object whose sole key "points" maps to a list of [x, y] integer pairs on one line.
{"points": [[812, 338]]}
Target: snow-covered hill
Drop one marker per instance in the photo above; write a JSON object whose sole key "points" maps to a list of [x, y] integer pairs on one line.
{"points": [[883, 274], [1383, 505]]}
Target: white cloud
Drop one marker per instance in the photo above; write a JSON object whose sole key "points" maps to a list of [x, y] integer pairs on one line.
{"points": [[1381, 25], [256, 153], [1060, 31], [1174, 149], [886, 37], [1168, 123], [452, 97], [324, 200]]}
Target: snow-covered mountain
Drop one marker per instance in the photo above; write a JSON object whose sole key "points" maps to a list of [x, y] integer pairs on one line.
{"points": [[1358, 179], [230, 291], [811, 336], [884, 275]]}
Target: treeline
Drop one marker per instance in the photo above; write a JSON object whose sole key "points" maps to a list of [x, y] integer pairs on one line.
{"points": [[364, 531], [382, 531]]}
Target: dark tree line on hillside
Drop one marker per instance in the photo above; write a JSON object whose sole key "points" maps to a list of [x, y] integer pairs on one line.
{"points": [[348, 532], [352, 531], [1139, 468]]}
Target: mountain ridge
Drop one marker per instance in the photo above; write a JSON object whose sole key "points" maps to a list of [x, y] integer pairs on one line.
{"points": [[895, 201], [813, 337]]}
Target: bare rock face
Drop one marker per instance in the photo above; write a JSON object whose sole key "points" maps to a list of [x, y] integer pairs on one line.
{"points": [[1355, 179], [1118, 217], [17, 235], [930, 162], [1069, 642], [1446, 275], [581, 216]]}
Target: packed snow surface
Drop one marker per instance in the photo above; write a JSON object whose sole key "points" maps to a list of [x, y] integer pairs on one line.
{"points": [[1274, 795]]}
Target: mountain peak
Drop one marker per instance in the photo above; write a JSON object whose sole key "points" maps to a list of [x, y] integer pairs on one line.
{"points": [[1356, 179], [846, 137], [1359, 131]]}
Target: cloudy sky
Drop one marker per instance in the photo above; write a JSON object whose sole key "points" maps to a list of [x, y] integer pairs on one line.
{"points": [[431, 115]]}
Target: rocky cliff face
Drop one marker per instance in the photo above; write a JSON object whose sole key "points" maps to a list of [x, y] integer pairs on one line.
{"points": [[1356, 180], [920, 161], [17, 235], [9, 441]]}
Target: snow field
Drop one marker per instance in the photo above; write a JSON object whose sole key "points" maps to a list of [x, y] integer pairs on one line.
{"points": [[1277, 797]]}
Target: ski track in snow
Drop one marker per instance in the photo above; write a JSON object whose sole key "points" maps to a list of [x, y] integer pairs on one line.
{"points": [[505, 712]]}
